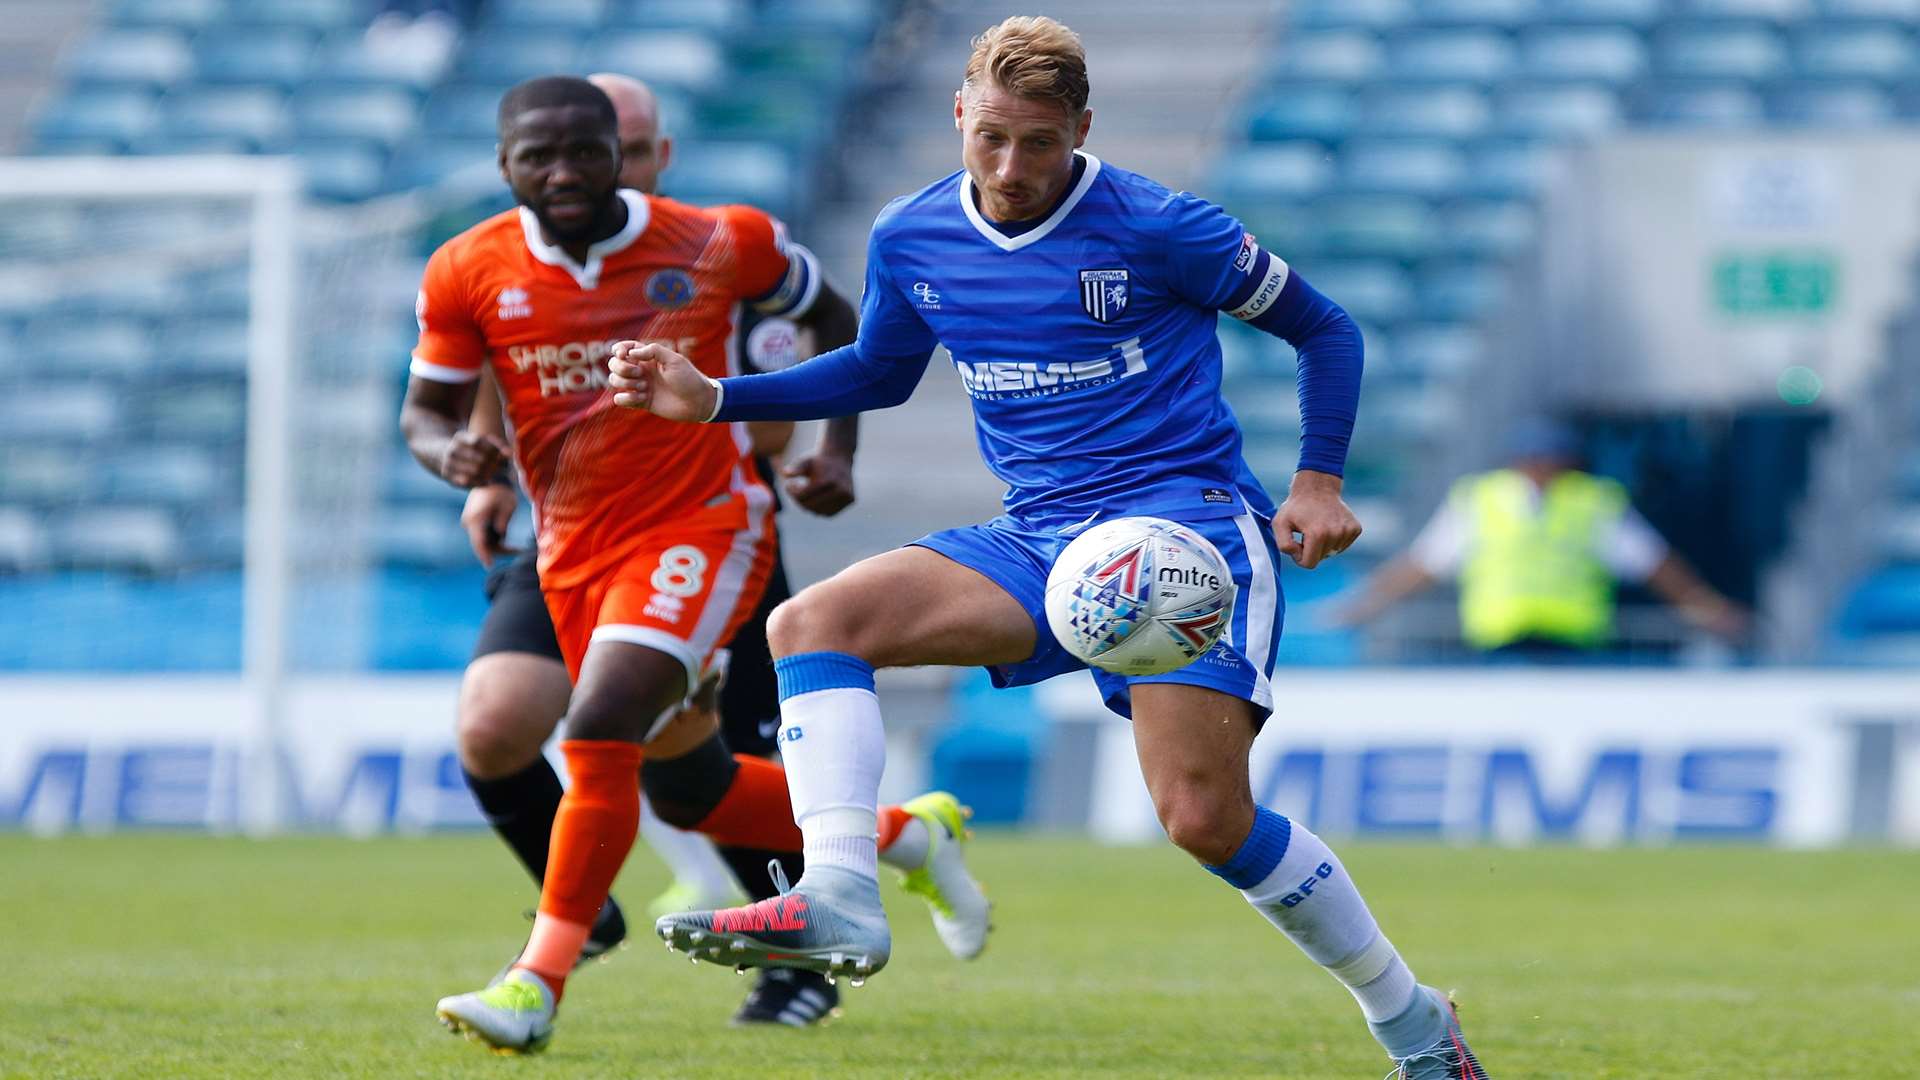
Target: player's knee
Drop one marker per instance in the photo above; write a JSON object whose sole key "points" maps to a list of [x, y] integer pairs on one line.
{"points": [[497, 739], [808, 623], [1206, 824]]}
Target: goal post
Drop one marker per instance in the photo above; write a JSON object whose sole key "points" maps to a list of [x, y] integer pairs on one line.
{"points": [[200, 372]]}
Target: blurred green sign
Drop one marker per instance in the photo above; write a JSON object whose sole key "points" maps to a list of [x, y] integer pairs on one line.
{"points": [[1774, 283]]}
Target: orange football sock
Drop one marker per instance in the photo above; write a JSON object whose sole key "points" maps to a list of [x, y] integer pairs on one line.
{"points": [[756, 811], [892, 820], [594, 830]]}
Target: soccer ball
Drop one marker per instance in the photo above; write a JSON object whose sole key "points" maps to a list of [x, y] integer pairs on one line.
{"points": [[1139, 596]]}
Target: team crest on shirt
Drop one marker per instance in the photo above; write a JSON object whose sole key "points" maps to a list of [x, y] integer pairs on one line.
{"points": [[670, 289], [1103, 293]]}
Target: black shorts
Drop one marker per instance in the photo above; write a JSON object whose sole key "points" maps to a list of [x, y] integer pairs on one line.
{"points": [[517, 621]]}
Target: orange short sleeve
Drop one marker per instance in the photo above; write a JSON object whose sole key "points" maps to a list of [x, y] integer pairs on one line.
{"points": [[452, 347]]}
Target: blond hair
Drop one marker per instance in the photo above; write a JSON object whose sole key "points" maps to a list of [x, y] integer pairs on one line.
{"points": [[1034, 57]]}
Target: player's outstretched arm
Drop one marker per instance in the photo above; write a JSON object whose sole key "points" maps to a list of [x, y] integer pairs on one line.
{"points": [[431, 419]]}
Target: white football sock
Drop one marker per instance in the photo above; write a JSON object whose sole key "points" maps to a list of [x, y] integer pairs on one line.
{"points": [[1312, 900], [835, 747]]}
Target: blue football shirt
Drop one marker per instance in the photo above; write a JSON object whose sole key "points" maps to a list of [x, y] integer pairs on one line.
{"points": [[1087, 343]]}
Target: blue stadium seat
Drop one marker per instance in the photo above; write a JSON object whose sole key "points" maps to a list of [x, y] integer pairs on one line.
{"points": [[1856, 50], [1402, 166], [343, 57], [713, 16], [545, 14], [1722, 49], [1370, 290], [1460, 291], [38, 473], [506, 56], [1444, 112], [1439, 350], [1487, 228], [139, 538], [1329, 54], [1501, 13], [342, 170], [1776, 10], [120, 115], [172, 476], [469, 163], [464, 111], [71, 414], [72, 347], [1830, 105], [1557, 111], [23, 542], [1605, 54], [199, 410], [1634, 13], [320, 15], [678, 58], [188, 15], [53, 145], [1344, 13], [255, 114], [161, 143], [255, 56], [203, 346], [1274, 171], [1461, 55], [422, 536], [1702, 105], [155, 58], [1303, 110], [383, 114], [760, 174], [843, 16], [1384, 226], [1907, 11]]}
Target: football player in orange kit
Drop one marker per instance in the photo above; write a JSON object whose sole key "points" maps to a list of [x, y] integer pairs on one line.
{"points": [[654, 542]]}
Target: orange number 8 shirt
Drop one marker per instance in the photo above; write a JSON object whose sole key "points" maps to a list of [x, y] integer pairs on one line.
{"points": [[652, 532]]}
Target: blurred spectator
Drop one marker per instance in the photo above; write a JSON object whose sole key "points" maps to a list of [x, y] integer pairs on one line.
{"points": [[419, 36], [1537, 548]]}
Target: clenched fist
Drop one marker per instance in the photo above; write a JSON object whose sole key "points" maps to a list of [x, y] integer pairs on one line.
{"points": [[655, 378], [472, 459]]}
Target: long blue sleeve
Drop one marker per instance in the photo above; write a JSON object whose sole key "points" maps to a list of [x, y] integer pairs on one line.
{"points": [[837, 383], [878, 371], [1331, 358]]}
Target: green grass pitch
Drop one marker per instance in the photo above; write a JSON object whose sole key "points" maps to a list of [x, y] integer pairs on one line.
{"points": [[163, 956]]}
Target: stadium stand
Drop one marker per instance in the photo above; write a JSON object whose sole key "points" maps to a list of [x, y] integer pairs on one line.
{"points": [[1395, 150], [151, 540], [1392, 149]]}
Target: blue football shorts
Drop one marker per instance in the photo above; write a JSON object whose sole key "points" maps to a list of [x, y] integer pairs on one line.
{"points": [[1017, 557]]}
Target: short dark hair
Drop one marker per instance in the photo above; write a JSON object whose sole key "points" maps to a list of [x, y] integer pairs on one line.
{"points": [[553, 92]]}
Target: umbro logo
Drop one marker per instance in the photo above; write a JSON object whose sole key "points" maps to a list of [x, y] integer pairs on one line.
{"points": [[515, 303]]}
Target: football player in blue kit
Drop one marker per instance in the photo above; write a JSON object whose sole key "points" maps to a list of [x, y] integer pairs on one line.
{"points": [[1079, 303]]}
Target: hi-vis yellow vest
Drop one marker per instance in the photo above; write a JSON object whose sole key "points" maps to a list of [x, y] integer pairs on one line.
{"points": [[1534, 573]]}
